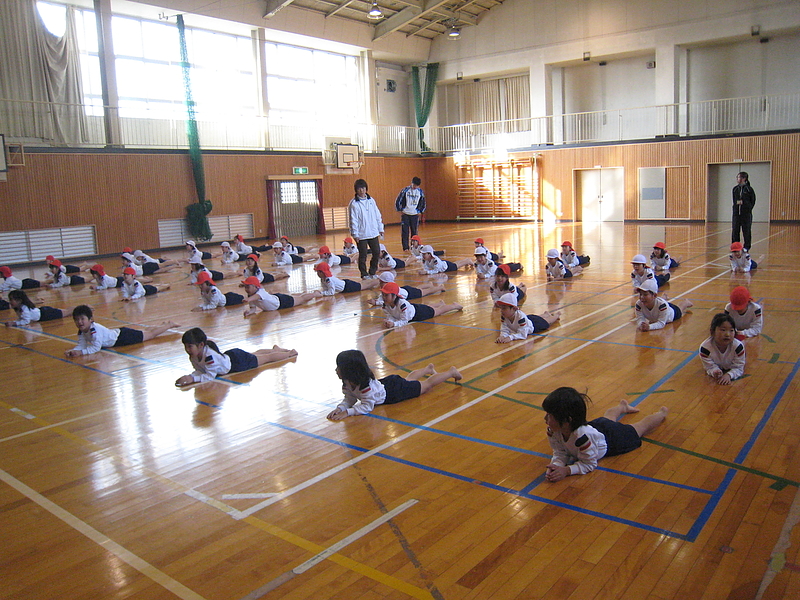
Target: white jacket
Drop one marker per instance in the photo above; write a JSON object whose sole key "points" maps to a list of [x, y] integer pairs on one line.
{"points": [[365, 218]]}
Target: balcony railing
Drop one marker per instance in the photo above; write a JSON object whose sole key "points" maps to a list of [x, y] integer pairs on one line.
{"points": [[39, 123]]}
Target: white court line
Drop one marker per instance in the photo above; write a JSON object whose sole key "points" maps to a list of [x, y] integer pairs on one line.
{"points": [[59, 424], [109, 545]]}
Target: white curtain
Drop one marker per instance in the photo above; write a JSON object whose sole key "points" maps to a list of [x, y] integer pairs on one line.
{"points": [[502, 99], [40, 84]]}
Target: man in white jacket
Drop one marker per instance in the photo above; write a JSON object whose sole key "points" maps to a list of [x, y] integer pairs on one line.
{"points": [[366, 227]]}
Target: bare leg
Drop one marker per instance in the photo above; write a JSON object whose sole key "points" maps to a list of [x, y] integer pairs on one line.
{"points": [[441, 308], [426, 289], [438, 378], [650, 422], [279, 275], [464, 262], [368, 284], [162, 286], [144, 279], [623, 408], [274, 354], [684, 304], [67, 312], [551, 317], [306, 297], [420, 373], [576, 271], [152, 332]]}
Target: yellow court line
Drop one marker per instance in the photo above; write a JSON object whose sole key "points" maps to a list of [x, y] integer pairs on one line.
{"points": [[109, 545], [312, 547]]}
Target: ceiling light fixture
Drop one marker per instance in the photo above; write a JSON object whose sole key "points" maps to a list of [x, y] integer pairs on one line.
{"points": [[375, 12], [454, 33]]}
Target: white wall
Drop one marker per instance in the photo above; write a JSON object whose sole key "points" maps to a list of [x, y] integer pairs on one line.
{"points": [[394, 108], [542, 35], [623, 83]]}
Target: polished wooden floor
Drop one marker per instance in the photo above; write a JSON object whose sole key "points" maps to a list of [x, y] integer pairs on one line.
{"points": [[116, 484]]}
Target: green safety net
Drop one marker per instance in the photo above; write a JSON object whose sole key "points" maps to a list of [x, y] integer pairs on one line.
{"points": [[197, 213], [423, 98]]}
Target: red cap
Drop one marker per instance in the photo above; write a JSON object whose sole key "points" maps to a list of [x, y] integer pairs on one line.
{"points": [[99, 269], [661, 245], [253, 256], [324, 250], [391, 288], [736, 246], [478, 240], [239, 237], [49, 258], [565, 243], [128, 249], [740, 296], [252, 280], [283, 237], [5, 272], [55, 263], [129, 271], [323, 268], [205, 277], [349, 240], [416, 238], [505, 269]]}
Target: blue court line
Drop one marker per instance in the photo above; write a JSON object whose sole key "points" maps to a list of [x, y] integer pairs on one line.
{"points": [[23, 347], [664, 379]]}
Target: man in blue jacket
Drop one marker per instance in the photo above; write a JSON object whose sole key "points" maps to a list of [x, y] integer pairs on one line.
{"points": [[411, 204]]}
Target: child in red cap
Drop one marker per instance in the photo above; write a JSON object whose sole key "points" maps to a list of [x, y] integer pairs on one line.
{"points": [[333, 260], [502, 285], [132, 289], [251, 269], [212, 297], [660, 260], [416, 249], [59, 276], [362, 392], [401, 312], [746, 314], [570, 257], [740, 259], [333, 285], [495, 257]]}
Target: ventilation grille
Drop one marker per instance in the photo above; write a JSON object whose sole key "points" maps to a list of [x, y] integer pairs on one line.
{"points": [[33, 245], [174, 232], [335, 218]]}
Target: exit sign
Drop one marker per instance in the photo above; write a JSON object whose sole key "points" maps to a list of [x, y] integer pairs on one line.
{"points": [[299, 170]]}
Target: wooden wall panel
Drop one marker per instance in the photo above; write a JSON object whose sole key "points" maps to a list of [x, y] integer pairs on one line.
{"points": [[677, 193], [124, 194]]}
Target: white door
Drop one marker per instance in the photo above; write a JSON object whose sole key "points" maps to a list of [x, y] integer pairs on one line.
{"points": [[722, 179], [601, 193]]}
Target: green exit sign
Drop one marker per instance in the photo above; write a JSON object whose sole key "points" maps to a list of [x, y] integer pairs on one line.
{"points": [[299, 170]]}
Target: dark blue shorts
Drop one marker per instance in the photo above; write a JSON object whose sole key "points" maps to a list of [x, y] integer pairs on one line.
{"points": [[48, 313], [29, 284], [206, 255], [620, 437], [399, 389], [345, 259], [423, 312], [233, 299], [128, 336], [539, 324], [286, 301], [267, 278], [76, 280], [150, 268], [351, 286], [149, 290], [296, 259], [451, 266], [241, 360], [401, 264], [678, 313], [71, 269], [413, 293]]}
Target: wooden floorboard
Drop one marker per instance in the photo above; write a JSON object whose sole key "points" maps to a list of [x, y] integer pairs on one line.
{"points": [[116, 484]]}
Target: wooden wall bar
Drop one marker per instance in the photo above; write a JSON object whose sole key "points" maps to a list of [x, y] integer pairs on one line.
{"points": [[125, 194]]}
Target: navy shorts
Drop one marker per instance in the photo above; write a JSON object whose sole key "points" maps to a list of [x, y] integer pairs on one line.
{"points": [[345, 259], [206, 255], [514, 267], [296, 260], [29, 284], [413, 293], [451, 266], [76, 280], [267, 278], [399, 389], [678, 313], [662, 279], [241, 360], [351, 286], [233, 299], [401, 264], [539, 324], [285, 300], [150, 268], [48, 313], [71, 269], [567, 273], [423, 312], [128, 336], [620, 437], [149, 290], [520, 294], [673, 264]]}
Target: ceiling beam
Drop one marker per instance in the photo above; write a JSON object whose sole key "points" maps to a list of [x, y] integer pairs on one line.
{"points": [[273, 6], [344, 4], [404, 17]]}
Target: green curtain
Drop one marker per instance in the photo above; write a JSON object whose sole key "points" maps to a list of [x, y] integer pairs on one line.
{"points": [[423, 98], [196, 214]]}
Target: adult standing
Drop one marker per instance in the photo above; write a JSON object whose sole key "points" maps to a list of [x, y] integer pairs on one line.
{"points": [[366, 227], [744, 199], [410, 204]]}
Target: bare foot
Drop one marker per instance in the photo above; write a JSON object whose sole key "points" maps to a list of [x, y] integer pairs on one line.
{"points": [[456, 374], [429, 370], [689, 304], [665, 296], [663, 411], [627, 409], [556, 315], [458, 307], [171, 324]]}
